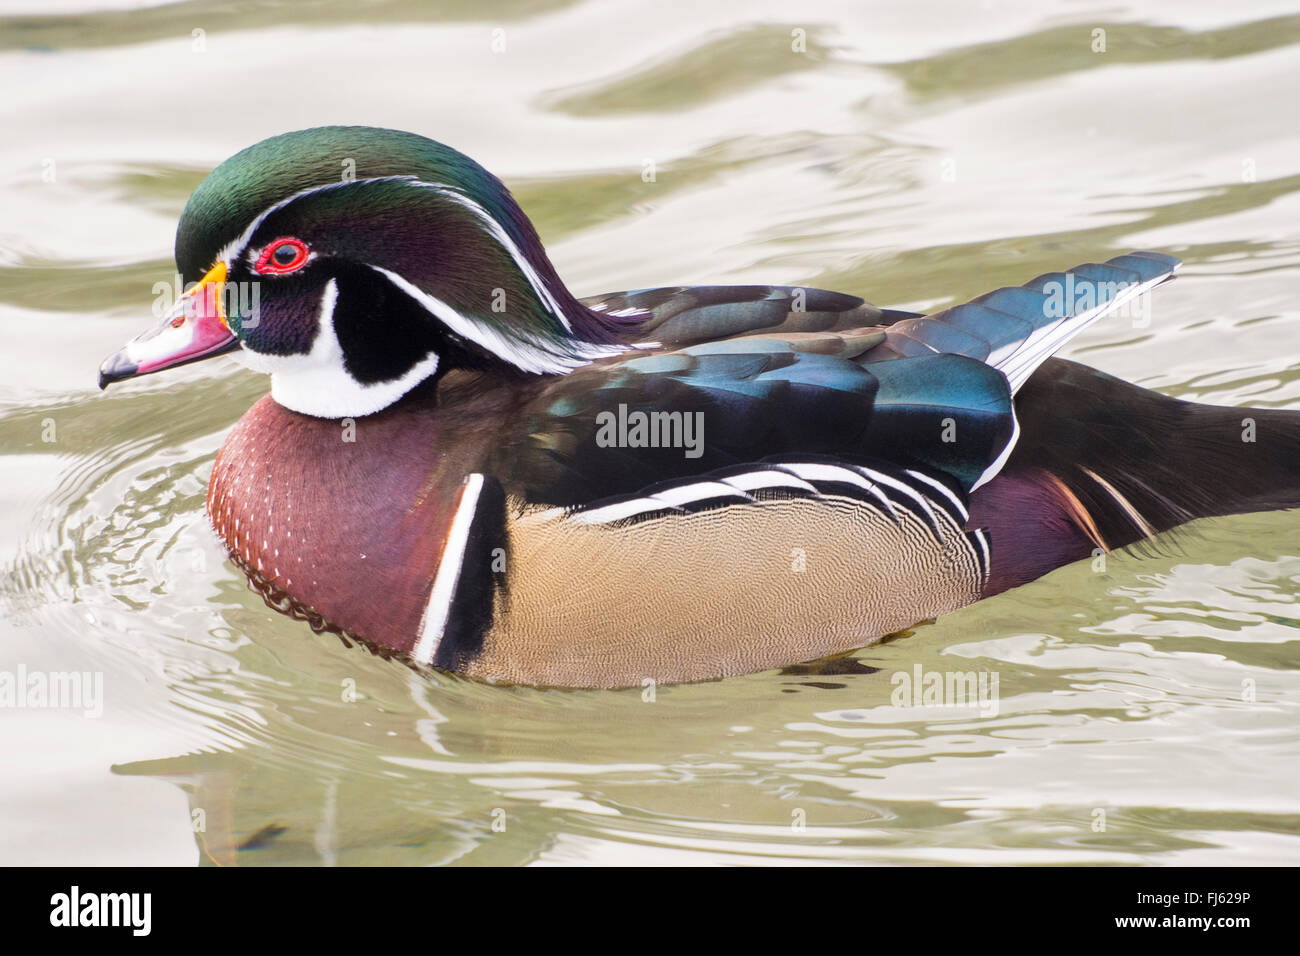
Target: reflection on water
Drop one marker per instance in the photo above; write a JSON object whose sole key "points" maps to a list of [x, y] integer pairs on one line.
{"points": [[1146, 711]]}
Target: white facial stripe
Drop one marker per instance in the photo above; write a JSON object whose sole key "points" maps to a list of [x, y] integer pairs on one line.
{"points": [[325, 348], [527, 356], [500, 235], [232, 249], [443, 591], [497, 232], [317, 383]]}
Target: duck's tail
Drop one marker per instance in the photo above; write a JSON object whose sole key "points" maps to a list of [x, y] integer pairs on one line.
{"points": [[1101, 464]]}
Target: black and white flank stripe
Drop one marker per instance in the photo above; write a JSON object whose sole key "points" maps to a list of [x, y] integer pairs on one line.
{"points": [[891, 491]]}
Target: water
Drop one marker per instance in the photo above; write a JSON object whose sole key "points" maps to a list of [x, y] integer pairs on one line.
{"points": [[917, 155]]}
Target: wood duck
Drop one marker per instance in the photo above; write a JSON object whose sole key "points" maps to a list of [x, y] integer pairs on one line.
{"points": [[463, 465]]}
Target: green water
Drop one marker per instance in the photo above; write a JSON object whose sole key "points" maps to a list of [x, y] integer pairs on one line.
{"points": [[917, 154]]}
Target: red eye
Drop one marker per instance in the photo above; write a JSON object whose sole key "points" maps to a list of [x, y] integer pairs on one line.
{"points": [[282, 257]]}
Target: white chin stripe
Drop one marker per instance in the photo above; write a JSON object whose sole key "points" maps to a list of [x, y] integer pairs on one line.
{"points": [[528, 353], [317, 383], [330, 392]]}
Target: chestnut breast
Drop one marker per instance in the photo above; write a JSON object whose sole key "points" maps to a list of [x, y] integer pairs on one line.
{"points": [[347, 517]]}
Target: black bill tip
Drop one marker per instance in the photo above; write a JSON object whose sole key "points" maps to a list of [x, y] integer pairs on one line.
{"points": [[115, 368]]}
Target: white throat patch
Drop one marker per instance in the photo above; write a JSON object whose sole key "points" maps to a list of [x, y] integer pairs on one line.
{"points": [[317, 384]]}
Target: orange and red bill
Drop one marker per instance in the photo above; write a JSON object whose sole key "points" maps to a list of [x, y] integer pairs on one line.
{"points": [[195, 328]]}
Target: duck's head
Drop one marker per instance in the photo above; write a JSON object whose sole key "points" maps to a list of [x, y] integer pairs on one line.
{"points": [[352, 264]]}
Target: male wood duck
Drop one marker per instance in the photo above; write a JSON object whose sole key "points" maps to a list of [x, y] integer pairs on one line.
{"points": [[462, 464]]}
